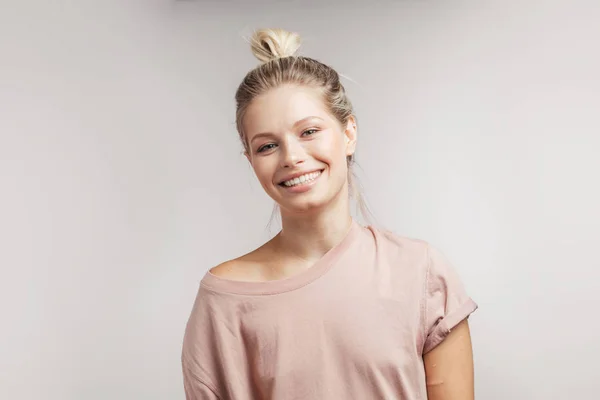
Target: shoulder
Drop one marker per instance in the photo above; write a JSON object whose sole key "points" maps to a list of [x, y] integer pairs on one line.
{"points": [[388, 240], [404, 260], [235, 269], [248, 267]]}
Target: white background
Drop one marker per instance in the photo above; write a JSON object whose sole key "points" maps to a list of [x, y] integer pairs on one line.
{"points": [[122, 179]]}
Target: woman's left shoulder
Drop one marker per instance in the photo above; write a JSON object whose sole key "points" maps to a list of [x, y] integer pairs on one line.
{"points": [[399, 244]]}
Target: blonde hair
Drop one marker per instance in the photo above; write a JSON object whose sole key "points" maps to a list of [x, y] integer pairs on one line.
{"points": [[276, 50]]}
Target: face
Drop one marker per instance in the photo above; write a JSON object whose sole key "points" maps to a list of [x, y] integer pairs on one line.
{"points": [[297, 148]]}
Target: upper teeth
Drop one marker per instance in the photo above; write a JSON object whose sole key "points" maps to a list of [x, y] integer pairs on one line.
{"points": [[302, 179]]}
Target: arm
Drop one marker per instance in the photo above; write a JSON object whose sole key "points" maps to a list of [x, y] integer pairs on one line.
{"points": [[449, 366]]}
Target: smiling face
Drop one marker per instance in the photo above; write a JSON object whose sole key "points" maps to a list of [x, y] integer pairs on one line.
{"points": [[297, 148]]}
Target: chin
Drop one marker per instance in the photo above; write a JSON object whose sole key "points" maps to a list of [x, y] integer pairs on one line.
{"points": [[306, 204]]}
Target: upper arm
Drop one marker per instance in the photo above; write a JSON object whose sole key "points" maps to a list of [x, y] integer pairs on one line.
{"points": [[449, 366], [447, 350], [446, 302]]}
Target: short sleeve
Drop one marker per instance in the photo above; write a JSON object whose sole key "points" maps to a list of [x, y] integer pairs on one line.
{"points": [[446, 301], [196, 389]]}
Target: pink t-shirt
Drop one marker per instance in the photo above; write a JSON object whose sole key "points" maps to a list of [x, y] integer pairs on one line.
{"points": [[353, 326]]}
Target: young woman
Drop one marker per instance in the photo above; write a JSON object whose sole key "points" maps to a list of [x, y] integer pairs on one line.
{"points": [[326, 309]]}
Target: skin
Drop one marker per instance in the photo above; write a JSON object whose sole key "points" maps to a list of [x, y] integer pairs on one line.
{"points": [[449, 366], [289, 130]]}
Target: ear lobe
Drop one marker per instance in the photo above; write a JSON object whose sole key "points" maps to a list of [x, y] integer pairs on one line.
{"points": [[350, 149]]}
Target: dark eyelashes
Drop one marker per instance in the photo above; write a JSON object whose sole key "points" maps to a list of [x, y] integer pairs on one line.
{"points": [[269, 145], [265, 147]]}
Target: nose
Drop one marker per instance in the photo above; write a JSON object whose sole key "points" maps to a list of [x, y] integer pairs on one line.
{"points": [[293, 153]]}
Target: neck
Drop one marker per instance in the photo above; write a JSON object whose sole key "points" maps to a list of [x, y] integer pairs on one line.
{"points": [[308, 236]]}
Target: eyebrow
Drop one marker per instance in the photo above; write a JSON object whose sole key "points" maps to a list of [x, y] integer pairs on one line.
{"points": [[301, 121]]}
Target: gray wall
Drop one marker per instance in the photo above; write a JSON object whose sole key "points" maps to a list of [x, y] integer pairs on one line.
{"points": [[122, 180]]}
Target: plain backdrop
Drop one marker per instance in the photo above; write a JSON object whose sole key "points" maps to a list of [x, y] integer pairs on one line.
{"points": [[122, 179]]}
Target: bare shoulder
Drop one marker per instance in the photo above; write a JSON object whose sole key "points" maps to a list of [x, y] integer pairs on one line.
{"points": [[231, 269], [248, 267]]}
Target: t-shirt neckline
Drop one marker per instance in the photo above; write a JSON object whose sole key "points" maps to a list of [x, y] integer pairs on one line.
{"points": [[303, 278]]}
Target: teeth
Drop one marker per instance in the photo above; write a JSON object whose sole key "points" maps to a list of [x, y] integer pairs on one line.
{"points": [[302, 179]]}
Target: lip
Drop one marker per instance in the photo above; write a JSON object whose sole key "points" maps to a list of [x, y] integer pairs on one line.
{"points": [[297, 174], [303, 187]]}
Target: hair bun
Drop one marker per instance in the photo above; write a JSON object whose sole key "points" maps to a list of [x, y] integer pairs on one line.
{"points": [[269, 44]]}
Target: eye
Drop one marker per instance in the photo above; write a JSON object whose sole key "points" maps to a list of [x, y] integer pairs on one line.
{"points": [[310, 132], [266, 147]]}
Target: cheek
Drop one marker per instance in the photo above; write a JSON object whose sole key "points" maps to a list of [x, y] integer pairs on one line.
{"points": [[328, 145], [263, 171], [335, 152]]}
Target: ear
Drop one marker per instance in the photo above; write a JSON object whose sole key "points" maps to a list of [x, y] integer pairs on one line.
{"points": [[350, 134], [248, 157]]}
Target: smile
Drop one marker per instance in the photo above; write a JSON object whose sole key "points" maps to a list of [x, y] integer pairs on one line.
{"points": [[301, 180]]}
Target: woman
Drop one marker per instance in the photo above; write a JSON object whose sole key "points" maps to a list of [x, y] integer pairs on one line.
{"points": [[327, 309]]}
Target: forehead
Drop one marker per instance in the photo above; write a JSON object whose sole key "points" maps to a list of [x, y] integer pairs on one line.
{"points": [[278, 109]]}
